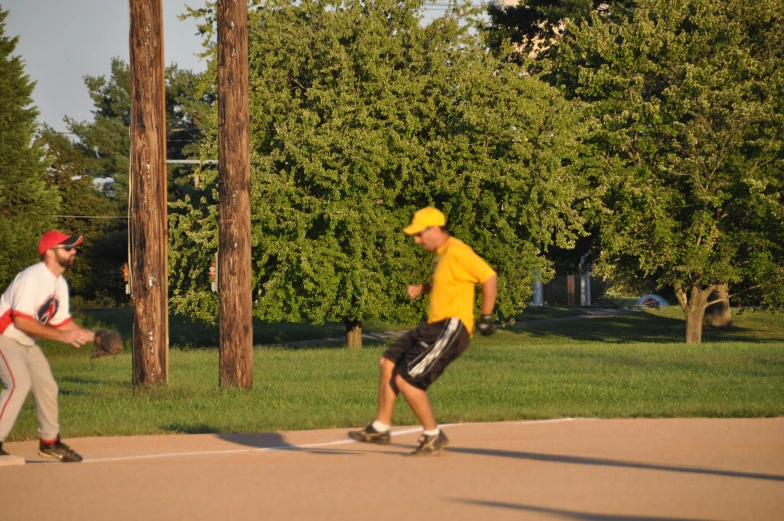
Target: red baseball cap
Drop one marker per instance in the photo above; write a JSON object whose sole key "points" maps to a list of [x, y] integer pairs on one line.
{"points": [[54, 238]]}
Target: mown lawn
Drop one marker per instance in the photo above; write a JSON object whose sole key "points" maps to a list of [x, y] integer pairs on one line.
{"points": [[632, 365]]}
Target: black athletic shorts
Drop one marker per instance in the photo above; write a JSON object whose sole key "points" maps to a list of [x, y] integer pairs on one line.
{"points": [[422, 354]]}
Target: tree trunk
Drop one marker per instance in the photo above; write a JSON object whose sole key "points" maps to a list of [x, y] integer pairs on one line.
{"points": [[353, 334], [719, 314], [570, 290], [234, 256], [694, 324], [148, 190], [693, 306]]}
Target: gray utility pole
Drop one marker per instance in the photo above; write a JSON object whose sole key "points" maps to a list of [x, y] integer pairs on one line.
{"points": [[148, 232], [234, 259]]}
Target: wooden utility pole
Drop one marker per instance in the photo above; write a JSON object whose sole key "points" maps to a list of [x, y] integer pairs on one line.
{"points": [[147, 186], [234, 268]]}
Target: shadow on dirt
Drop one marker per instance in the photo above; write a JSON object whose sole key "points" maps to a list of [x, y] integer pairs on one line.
{"points": [[273, 441], [568, 514], [580, 460], [262, 441]]}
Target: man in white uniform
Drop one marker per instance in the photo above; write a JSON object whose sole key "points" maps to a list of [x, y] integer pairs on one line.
{"points": [[35, 306]]}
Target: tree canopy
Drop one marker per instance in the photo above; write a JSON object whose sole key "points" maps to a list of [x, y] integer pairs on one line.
{"points": [[361, 115], [97, 277], [105, 141], [27, 202], [532, 26], [686, 99], [89, 168]]}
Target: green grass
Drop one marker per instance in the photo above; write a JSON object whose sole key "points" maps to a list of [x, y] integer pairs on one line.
{"points": [[185, 333], [611, 301], [546, 312], [653, 325], [629, 366]]}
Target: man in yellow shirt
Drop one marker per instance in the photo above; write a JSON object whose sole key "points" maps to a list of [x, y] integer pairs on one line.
{"points": [[416, 360]]}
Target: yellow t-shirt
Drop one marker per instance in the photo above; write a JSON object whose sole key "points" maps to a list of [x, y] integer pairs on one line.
{"points": [[456, 271]]}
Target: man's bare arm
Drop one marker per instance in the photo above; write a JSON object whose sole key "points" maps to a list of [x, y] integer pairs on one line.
{"points": [[489, 294], [70, 333], [485, 325], [414, 290]]}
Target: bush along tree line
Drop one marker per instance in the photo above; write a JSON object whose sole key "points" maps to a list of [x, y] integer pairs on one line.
{"points": [[684, 100], [361, 115], [77, 180], [27, 201], [643, 137]]}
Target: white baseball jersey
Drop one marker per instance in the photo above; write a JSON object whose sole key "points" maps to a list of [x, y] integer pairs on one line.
{"points": [[36, 293]]}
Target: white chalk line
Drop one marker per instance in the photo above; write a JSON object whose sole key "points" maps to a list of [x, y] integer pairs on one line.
{"points": [[295, 447]]}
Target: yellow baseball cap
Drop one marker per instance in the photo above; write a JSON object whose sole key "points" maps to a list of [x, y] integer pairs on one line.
{"points": [[425, 218]]}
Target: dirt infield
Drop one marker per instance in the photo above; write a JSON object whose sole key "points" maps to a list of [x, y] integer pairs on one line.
{"points": [[584, 470]]}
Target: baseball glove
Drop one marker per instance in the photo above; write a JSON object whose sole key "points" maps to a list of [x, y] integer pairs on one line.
{"points": [[106, 343]]}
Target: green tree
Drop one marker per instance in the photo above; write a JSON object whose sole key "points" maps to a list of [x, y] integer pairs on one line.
{"points": [[533, 25], [105, 141], [98, 156], [525, 33], [360, 116], [27, 202], [686, 102], [84, 210]]}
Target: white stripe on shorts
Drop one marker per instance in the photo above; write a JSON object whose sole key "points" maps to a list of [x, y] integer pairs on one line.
{"points": [[425, 361]]}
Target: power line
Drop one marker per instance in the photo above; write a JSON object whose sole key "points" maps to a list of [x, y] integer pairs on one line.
{"points": [[91, 216], [173, 130], [192, 161]]}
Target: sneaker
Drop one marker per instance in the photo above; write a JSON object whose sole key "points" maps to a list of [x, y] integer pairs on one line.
{"points": [[370, 435], [2, 452], [431, 444], [59, 450]]}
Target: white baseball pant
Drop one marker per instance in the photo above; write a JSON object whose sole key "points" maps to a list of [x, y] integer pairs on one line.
{"points": [[25, 369]]}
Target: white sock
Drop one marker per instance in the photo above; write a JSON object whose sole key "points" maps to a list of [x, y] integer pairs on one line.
{"points": [[434, 432], [380, 427]]}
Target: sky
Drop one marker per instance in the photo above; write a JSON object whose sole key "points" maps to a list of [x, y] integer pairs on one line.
{"points": [[61, 41]]}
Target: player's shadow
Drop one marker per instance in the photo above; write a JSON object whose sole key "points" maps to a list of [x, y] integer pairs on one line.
{"points": [[274, 441], [261, 441], [581, 460], [567, 514]]}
